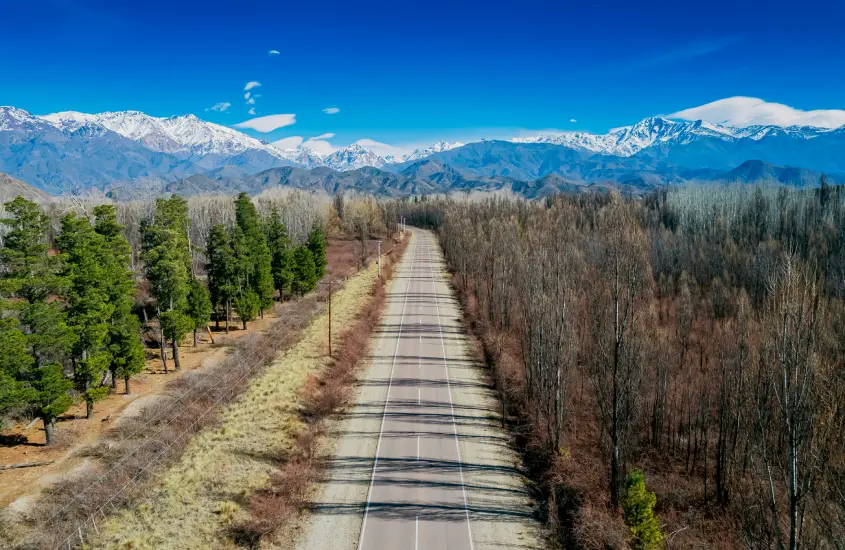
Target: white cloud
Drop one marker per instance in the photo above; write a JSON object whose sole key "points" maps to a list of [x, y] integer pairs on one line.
{"points": [[246, 95], [222, 106], [749, 111], [273, 52], [251, 84], [331, 110], [327, 135], [268, 123], [251, 111], [250, 101], [381, 149], [320, 146], [291, 142], [572, 120]]}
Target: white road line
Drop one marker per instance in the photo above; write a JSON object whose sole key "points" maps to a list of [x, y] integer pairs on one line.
{"points": [[386, 400], [417, 534], [449, 385]]}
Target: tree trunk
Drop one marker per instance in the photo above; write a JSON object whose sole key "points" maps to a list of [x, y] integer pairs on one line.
{"points": [[89, 409], [244, 322], [49, 429], [217, 317], [176, 362], [162, 342], [195, 337], [227, 316], [113, 378], [126, 384]]}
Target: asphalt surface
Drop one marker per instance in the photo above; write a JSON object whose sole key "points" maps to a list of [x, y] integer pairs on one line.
{"points": [[421, 462]]}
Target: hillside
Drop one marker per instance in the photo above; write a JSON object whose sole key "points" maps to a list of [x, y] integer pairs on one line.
{"points": [[11, 188]]}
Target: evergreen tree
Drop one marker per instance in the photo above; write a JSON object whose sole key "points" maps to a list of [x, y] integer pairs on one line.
{"points": [[51, 396], [29, 271], [199, 306], [15, 363], [304, 271], [638, 513], [124, 341], [167, 269], [246, 306], [317, 245], [221, 271], [280, 250], [34, 334], [89, 307], [257, 258]]}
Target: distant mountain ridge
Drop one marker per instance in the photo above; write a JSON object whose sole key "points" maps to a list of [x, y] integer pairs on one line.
{"points": [[72, 150]]}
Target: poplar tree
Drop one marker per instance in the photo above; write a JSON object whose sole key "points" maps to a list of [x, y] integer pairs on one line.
{"points": [[89, 308], [124, 341], [167, 268], [281, 256], [317, 245]]}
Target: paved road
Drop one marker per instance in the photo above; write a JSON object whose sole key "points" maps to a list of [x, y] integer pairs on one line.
{"points": [[421, 462]]}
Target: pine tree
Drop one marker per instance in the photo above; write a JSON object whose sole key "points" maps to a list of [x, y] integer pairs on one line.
{"points": [[15, 363], [246, 306], [638, 513], [167, 269], [257, 257], [221, 271], [124, 341], [199, 306], [30, 272], [89, 307], [280, 250], [51, 396], [317, 245], [304, 271]]}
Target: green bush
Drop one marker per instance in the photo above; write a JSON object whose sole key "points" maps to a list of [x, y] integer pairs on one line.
{"points": [[638, 512]]}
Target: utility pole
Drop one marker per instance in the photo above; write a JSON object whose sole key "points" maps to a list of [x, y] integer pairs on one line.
{"points": [[379, 259], [330, 285]]}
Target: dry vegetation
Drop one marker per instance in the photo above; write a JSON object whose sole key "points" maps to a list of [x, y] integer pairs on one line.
{"points": [[695, 335]]}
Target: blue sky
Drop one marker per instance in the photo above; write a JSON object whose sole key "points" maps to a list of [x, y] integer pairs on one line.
{"points": [[409, 73]]}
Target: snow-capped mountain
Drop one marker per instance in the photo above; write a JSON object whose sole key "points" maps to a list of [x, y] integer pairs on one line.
{"points": [[652, 131], [438, 147], [177, 134], [353, 157]]}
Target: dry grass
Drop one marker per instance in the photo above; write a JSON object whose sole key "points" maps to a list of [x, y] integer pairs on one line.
{"points": [[289, 489], [202, 497]]}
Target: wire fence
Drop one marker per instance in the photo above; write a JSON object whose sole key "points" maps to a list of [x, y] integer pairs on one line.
{"points": [[230, 374]]}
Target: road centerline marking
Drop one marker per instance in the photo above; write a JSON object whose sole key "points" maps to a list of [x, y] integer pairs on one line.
{"points": [[386, 402]]}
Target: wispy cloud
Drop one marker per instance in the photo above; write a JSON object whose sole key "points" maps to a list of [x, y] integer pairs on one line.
{"points": [[251, 111], [246, 95], [268, 123], [221, 107], [331, 110], [572, 120], [327, 135], [684, 53], [749, 111], [250, 101], [291, 142], [252, 84], [272, 53]]}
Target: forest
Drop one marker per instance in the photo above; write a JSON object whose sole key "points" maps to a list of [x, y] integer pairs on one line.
{"points": [[683, 350], [82, 288]]}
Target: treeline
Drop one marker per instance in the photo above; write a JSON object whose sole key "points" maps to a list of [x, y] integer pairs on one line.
{"points": [[696, 334], [71, 312]]}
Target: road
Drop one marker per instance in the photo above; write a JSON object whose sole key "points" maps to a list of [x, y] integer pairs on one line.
{"points": [[420, 461]]}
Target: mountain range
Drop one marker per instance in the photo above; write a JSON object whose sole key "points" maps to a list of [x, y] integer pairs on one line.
{"points": [[128, 150]]}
